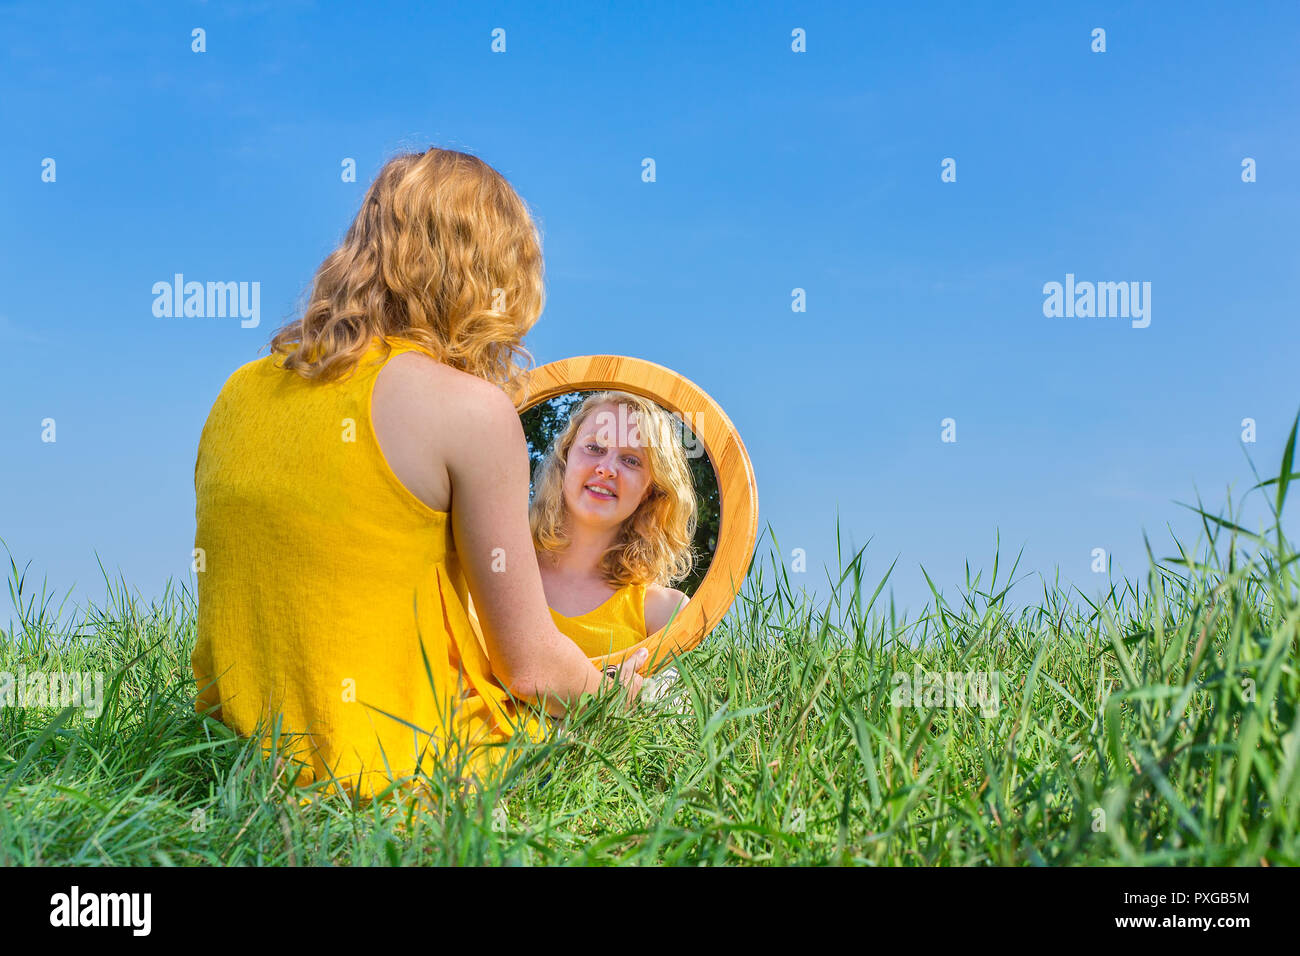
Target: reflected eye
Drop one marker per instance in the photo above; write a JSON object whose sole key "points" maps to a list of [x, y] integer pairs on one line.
{"points": [[596, 448]]}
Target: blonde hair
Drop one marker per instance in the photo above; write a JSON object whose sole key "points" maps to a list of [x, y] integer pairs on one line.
{"points": [[654, 543], [443, 255]]}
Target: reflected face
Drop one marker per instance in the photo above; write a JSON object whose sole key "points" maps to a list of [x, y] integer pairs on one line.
{"points": [[607, 473]]}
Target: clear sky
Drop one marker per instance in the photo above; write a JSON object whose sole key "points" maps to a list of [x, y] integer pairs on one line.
{"points": [[775, 170]]}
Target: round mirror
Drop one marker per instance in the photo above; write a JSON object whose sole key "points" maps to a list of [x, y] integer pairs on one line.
{"points": [[639, 463]]}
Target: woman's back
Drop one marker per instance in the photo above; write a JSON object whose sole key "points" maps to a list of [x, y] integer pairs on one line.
{"points": [[321, 570]]}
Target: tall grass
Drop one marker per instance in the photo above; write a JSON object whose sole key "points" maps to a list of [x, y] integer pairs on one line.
{"points": [[1155, 726]]}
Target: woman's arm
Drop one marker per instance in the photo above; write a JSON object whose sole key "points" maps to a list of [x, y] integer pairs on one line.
{"points": [[487, 462]]}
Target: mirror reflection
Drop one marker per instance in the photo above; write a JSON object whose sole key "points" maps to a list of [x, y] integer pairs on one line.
{"points": [[624, 511]]}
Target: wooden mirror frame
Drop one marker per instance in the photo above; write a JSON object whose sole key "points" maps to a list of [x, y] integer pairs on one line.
{"points": [[737, 490]]}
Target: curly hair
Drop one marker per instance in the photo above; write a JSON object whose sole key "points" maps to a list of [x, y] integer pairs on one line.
{"points": [[654, 543], [444, 255]]}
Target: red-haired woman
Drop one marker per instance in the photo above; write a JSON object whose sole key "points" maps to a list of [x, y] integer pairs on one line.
{"points": [[357, 484]]}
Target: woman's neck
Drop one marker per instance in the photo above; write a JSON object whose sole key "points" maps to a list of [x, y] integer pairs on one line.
{"points": [[580, 560]]}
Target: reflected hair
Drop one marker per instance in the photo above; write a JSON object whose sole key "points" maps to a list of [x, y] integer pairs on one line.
{"points": [[654, 543], [443, 255]]}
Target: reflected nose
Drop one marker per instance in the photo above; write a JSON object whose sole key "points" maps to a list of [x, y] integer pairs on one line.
{"points": [[605, 466]]}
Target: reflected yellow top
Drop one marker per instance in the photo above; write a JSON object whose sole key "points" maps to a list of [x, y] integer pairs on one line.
{"points": [[318, 571], [615, 625]]}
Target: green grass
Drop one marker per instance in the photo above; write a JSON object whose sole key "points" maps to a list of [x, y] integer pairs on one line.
{"points": [[1156, 726]]}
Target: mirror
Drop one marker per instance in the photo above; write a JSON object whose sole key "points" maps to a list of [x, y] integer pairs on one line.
{"points": [[682, 508]]}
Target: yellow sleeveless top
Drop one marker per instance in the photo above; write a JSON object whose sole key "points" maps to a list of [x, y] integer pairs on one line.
{"points": [[318, 574], [615, 625]]}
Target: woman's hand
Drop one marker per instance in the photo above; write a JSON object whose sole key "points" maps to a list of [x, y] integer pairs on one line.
{"points": [[627, 676]]}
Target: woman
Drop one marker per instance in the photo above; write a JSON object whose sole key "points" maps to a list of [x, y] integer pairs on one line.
{"points": [[612, 517], [355, 486]]}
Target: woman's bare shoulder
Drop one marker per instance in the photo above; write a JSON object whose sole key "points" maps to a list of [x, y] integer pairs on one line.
{"points": [[429, 418], [660, 603], [458, 401], [421, 368], [652, 588]]}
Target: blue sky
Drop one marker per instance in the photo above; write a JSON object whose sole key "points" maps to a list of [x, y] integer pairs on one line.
{"points": [[776, 170]]}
